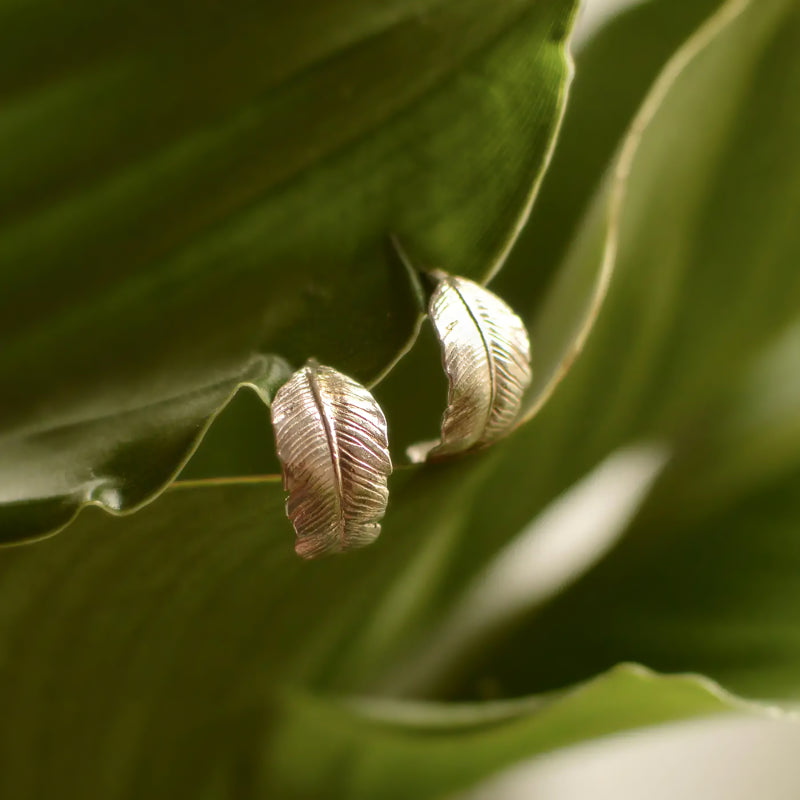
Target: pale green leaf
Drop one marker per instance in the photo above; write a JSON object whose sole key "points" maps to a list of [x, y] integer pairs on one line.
{"points": [[705, 577], [705, 271], [358, 750]]}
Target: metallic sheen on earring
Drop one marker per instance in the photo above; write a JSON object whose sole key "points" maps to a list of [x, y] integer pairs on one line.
{"points": [[486, 355], [331, 440]]}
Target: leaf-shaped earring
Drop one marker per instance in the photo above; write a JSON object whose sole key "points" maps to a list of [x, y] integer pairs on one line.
{"points": [[486, 355], [331, 440]]}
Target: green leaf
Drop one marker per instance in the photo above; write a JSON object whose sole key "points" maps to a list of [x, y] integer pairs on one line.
{"points": [[706, 275], [613, 74], [614, 71], [221, 190], [128, 646], [396, 750], [157, 655], [705, 578], [696, 291], [50, 473]]}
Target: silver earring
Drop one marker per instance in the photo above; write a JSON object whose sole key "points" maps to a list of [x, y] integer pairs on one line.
{"points": [[486, 355], [331, 439]]}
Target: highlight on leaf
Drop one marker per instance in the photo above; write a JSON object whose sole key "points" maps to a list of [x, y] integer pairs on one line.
{"points": [[332, 442], [486, 355]]}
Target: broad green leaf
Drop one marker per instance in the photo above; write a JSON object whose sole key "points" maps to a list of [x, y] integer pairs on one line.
{"points": [[613, 74], [561, 300], [165, 684], [695, 296], [614, 71], [49, 474], [696, 291], [159, 655], [397, 750], [550, 453], [705, 578], [133, 650], [220, 190]]}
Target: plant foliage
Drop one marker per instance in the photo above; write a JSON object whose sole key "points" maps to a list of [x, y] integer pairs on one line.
{"points": [[192, 205]]}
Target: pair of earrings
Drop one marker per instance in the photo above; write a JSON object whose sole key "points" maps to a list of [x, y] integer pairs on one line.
{"points": [[331, 433]]}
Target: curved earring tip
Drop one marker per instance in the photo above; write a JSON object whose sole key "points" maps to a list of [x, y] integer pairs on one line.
{"points": [[418, 453]]}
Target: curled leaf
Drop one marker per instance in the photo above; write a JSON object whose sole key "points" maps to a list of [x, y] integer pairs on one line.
{"points": [[486, 355], [331, 439]]}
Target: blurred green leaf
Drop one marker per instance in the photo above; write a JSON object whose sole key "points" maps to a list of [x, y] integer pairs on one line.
{"points": [[158, 655], [705, 578], [393, 751], [186, 193], [614, 71], [705, 269], [705, 272], [134, 650], [238, 443], [561, 296], [150, 656]]}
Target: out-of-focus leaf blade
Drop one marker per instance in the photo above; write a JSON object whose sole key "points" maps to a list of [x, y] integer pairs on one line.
{"points": [[181, 194], [705, 273], [694, 285], [398, 750], [705, 578], [561, 297], [614, 71], [153, 655], [706, 277], [134, 648]]}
